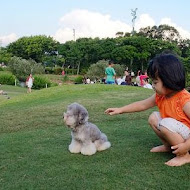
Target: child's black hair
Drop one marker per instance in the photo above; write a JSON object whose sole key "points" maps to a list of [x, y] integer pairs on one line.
{"points": [[111, 62], [169, 69]]}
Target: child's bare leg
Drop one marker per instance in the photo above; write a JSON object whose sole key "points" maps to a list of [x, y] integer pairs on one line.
{"points": [[153, 121], [173, 139], [29, 90], [161, 148]]}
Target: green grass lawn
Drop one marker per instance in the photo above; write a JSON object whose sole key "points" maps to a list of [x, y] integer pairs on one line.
{"points": [[34, 143], [11, 91]]}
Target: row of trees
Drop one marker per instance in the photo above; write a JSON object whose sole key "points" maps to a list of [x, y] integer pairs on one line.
{"points": [[130, 51]]}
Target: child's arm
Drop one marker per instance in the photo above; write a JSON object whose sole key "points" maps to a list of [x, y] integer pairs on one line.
{"points": [[134, 107], [183, 148]]}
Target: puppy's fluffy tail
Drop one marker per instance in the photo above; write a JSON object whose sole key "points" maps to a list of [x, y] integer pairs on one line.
{"points": [[103, 146], [102, 143]]}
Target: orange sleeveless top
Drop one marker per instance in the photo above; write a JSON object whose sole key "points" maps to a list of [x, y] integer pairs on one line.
{"points": [[173, 106]]}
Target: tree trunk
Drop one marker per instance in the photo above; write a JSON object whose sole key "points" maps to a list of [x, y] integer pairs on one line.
{"points": [[142, 67], [78, 68], [131, 64]]}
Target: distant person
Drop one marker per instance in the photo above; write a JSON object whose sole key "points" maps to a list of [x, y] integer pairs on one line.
{"points": [[29, 83], [128, 78], [146, 84], [63, 73], [88, 81], [172, 123], [119, 80], [110, 73], [138, 78], [142, 76]]}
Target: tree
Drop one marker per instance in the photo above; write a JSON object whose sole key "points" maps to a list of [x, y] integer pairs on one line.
{"points": [[21, 68], [4, 56], [97, 70], [34, 47], [163, 32], [119, 34]]}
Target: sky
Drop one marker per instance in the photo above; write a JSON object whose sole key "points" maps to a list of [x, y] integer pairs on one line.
{"points": [[66, 20]]}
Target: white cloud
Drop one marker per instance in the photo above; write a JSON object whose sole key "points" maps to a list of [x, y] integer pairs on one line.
{"points": [[94, 24], [88, 24], [144, 21], [5, 40]]}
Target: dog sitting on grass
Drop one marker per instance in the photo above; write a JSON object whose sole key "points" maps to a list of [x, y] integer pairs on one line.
{"points": [[86, 137]]}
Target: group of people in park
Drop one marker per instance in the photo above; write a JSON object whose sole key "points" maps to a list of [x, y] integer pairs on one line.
{"points": [[142, 79]]}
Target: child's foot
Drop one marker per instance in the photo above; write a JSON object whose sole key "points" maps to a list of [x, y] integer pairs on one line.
{"points": [[179, 160], [161, 148]]}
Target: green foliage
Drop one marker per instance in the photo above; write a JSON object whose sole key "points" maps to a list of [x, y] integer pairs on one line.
{"points": [[188, 80], [78, 80], [65, 78], [21, 68], [97, 71], [41, 82], [70, 71], [186, 63], [7, 78], [57, 70], [119, 69], [33, 47], [133, 52], [49, 70], [83, 71], [53, 60], [4, 56], [53, 84]]}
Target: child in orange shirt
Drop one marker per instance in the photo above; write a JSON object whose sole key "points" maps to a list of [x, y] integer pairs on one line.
{"points": [[172, 123]]}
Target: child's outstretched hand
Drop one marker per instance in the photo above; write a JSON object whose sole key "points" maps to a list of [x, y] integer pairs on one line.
{"points": [[179, 149], [113, 111]]}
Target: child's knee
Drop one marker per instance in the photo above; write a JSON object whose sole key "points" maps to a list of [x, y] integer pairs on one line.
{"points": [[152, 120]]}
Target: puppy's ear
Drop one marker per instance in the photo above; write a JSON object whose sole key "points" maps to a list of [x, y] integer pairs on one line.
{"points": [[83, 116]]}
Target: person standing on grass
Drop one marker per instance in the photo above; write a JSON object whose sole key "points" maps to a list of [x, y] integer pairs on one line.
{"points": [[172, 123], [63, 73], [110, 73], [29, 83]]}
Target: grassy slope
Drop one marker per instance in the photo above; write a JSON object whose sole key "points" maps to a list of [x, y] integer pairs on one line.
{"points": [[34, 143]]}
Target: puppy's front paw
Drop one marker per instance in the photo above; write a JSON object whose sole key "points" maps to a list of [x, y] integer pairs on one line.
{"points": [[88, 150], [75, 148]]}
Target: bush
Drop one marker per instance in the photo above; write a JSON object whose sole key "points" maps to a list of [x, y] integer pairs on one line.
{"points": [[65, 78], [97, 71], [58, 70], [78, 80], [187, 80], [21, 68], [83, 71], [70, 71], [7, 78], [41, 82], [49, 70]]}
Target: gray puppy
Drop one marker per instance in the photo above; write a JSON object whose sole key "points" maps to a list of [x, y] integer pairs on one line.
{"points": [[86, 137]]}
